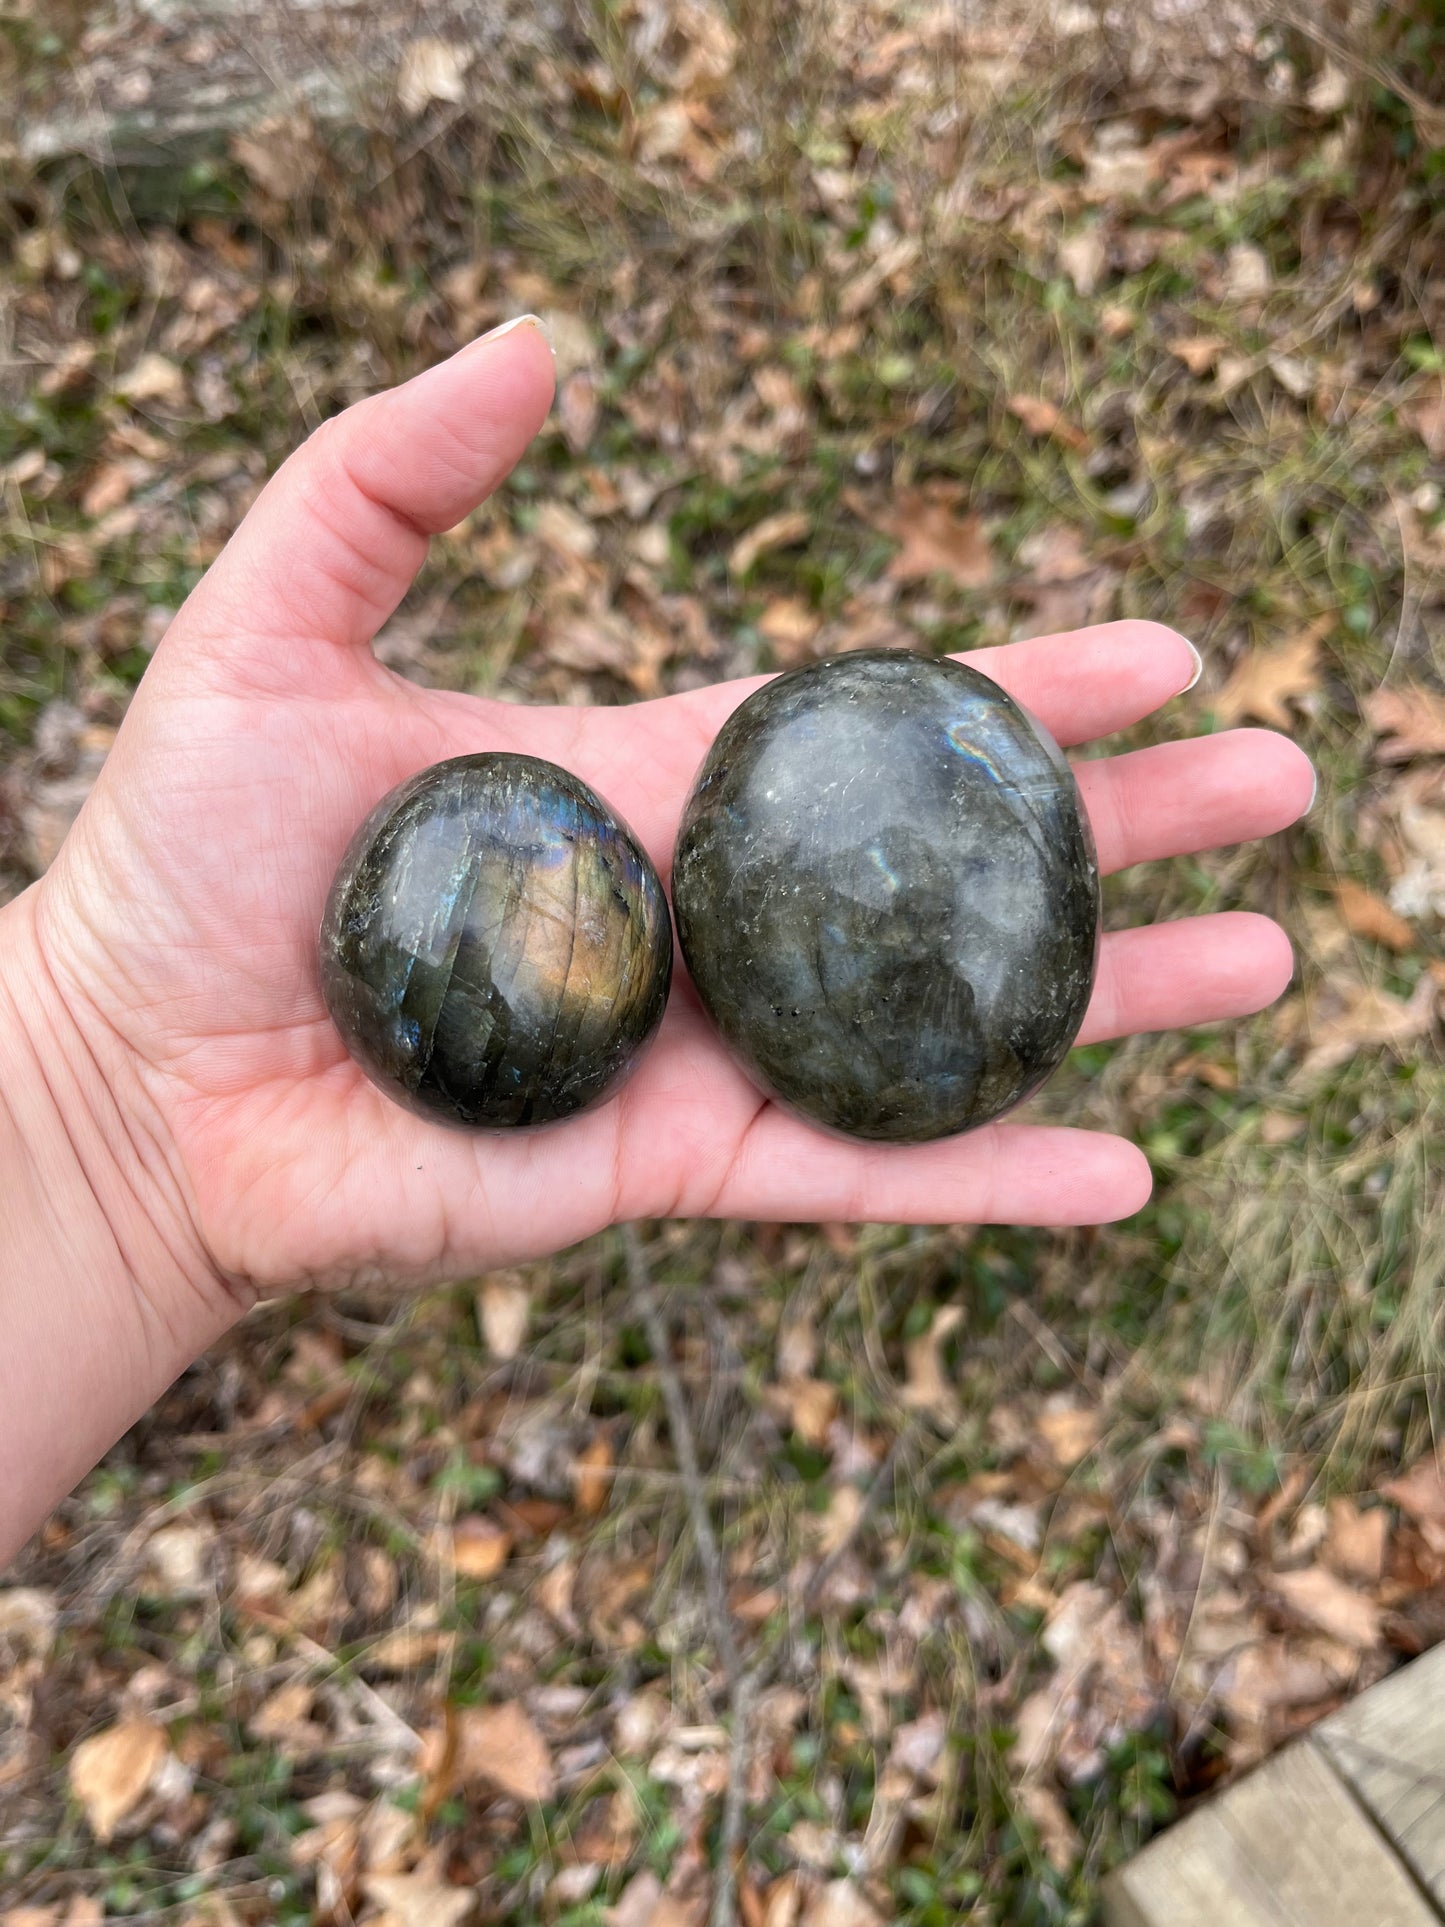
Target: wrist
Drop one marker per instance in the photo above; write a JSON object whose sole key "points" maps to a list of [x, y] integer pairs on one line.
{"points": [[106, 1294]]}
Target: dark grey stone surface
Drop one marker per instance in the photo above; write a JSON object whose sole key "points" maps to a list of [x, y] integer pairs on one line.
{"points": [[887, 895], [496, 949]]}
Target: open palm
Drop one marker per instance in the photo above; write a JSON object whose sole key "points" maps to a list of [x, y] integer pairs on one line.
{"points": [[180, 918]]}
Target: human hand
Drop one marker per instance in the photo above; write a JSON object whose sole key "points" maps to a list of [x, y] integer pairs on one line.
{"points": [[179, 921]]}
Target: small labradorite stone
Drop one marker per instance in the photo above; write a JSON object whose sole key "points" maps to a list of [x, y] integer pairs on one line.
{"points": [[496, 948], [887, 895]]}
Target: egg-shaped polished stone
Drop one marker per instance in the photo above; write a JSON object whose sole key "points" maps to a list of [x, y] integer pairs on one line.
{"points": [[887, 895], [496, 948]]}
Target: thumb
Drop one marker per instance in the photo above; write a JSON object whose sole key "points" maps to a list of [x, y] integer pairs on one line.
{"points": [[332, 543]]}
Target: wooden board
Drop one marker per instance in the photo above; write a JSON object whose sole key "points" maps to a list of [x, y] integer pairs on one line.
{"points": [[1389, 1746], [1287, 1847]]}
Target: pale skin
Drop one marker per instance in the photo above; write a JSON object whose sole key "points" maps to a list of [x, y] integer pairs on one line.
{"points": [[181, 1130]]}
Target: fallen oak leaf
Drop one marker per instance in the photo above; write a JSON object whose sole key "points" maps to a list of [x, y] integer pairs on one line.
{"points": [[1199, 353], [1069, 1433], [28, 1621], [1426, 415], [807, 1405], [1371, 1018], [478, 1547], [152, 378], [926, 1385], [1083, 258], [1410, 719], [1356, 1542], [503, 1308], [780, 531], [1045, 418], [111, 1772], [1316, 1596], [1370, 916], [841, 1904], [423, 1898], [501, 1746], [936, 540], [591, 1483], [1058, 1836], [1273, 1674], [1420, 1495], [1263, 683], [789, 624], [431, 70]]}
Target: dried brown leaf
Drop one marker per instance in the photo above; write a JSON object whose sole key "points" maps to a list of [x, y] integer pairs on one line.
{"points": [[780, 531], [1356, 1542], [1370, 916], [1068, 1432], [1057, 1833], [1410, 719], [808, 1405], [574, 345], [152, 378], [1370, 1018], [917, 1747], [1246, 272], [637, 1903], [783, 1901], [1272, 1674], [591, 1484], [935, 540], [28, 1620], [281, 1713], [926, 1385], [1083, 258], [790, 624], [1318, 1597], [479, 1547], [503, 1306], [1043, 418], [1263, 683], [425, 1898], [1055, 553], [1426, 415], [578, 410], [835, 1527], [111, 1772], [841, 1903], [560, 528], [1119, 172], [1420, 1492], [401, 1651], [1198, 352], [501, 1746], [431, 70]]}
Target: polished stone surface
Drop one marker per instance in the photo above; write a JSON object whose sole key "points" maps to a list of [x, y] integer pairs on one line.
{"points": [[887, 895], [496, 948]]}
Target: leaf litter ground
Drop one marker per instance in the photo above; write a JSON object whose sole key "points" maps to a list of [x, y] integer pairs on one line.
{"points": [[800, 1576]]}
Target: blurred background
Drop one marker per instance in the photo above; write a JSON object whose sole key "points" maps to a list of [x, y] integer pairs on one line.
{"points": [[798, 1574]]}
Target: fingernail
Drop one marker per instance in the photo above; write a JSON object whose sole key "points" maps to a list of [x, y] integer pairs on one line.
{"points": [[1198, 664], [1315, 789], [517, 321]]}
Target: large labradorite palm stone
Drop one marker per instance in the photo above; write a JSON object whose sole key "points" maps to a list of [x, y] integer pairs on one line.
{"points": [[496, 949], [887, 895]]}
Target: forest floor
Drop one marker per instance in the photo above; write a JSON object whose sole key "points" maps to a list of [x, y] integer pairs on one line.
{"points": [[985, 1551]]}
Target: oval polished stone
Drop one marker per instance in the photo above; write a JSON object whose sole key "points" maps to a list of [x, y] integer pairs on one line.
{"points": [[887, 895], [496, 949]]}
